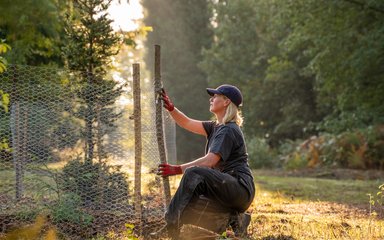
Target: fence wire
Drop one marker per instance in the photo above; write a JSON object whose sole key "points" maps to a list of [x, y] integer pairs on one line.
{"points": [[67, 154]]}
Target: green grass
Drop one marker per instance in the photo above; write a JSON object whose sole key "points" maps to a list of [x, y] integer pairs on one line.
{"points": [[34, 184], [311, 208], [314, 189], [284, 207]]}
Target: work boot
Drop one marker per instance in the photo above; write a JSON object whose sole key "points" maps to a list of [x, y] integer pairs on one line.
{"points": [[166, 231], [239, 223]]}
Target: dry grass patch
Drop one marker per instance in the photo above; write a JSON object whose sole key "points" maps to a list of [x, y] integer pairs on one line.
{"points": [[288, 211]]}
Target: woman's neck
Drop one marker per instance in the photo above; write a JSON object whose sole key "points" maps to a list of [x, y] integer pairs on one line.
{"points": [[219, 117]]}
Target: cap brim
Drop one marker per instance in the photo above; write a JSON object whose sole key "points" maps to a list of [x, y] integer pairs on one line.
{"points": [[212, 91]]}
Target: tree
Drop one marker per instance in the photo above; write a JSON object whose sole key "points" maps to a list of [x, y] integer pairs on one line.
{"points": [[303, 66], [90, 44], [278, 97], [182, 28], [33, 29], [342, 44], [235, 56]]}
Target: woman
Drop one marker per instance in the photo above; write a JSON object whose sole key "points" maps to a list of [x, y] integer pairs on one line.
{"points": [[223, 174]]}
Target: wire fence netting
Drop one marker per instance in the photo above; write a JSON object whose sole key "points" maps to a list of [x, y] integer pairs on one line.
{"points": [[67, 154]]}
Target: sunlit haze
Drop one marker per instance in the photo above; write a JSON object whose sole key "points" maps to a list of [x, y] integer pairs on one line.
{"points": [[125, 15]]}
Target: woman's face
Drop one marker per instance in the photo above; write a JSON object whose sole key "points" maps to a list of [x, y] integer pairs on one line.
{"points": [[218, 103]]}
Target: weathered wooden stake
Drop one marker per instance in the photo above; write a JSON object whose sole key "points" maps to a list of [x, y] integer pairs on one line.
{"points": [[159, 123], [138, 145]]}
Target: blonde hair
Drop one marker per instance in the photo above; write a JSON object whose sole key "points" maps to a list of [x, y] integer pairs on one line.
{"points": [[233, 114]]}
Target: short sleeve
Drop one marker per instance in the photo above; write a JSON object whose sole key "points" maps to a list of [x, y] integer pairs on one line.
{"points": [[222, 143], [208, 127]]}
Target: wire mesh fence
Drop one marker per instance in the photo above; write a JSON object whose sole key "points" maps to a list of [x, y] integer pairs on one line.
{"points": [[67, 154]]}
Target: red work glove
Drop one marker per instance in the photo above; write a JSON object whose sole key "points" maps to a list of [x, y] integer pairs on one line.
{"points": [[168, 104], [166, 170]]}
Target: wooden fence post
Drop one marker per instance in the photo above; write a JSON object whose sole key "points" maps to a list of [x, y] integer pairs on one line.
{"points": [[159, 123], [138, 144]]}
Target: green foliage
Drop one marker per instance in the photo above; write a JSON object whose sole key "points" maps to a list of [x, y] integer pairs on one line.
{"points": [[34, 31], [380, 195], [261, 155], [350, 80], [96, 184], [304, 66], [376, 200], [90, 38], [3, 49], [28, 212], [296, 161], [128, 234], [346, 36], [359, 149], [291, 156], [4, 97], [279, 100], [68, 209], [4, 101], [90, 44]]}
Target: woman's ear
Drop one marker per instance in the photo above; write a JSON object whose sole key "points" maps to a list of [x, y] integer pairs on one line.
{"points": [[227, 101]]}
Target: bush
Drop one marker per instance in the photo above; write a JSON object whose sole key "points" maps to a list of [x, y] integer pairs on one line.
{"points": [[97, 184], [352, 150], [260, 154], [68, 209], [358, 149], [375, 152], [291, 156]]}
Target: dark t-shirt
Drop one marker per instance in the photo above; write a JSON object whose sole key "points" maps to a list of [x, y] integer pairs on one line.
{"points": [[228, 141]]}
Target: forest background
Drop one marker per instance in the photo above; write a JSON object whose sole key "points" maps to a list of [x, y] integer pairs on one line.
{"points": [[310, 71]]}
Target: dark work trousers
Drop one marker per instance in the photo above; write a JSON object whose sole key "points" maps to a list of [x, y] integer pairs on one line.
{"points": [[220, 187]]}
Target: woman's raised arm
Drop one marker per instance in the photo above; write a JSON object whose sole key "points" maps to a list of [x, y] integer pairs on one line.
{"points": [[180, 118], [187, 123]]}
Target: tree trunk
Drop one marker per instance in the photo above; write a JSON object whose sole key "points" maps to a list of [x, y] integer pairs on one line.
{"points": [[89, 119], [17, 148], [18, 129]]}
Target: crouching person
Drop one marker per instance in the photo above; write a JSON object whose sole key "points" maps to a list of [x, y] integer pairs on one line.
{"points": [[220, 180]]}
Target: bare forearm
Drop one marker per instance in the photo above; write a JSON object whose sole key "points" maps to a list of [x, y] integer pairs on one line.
{"points": [[209, 160], [187, 123], [180, 118]]}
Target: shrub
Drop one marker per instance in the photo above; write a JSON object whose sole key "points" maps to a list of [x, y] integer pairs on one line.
{"points": [[68, 209], [359, 149], [375, 151], [291, 155], [97, 184], [260, 154]]}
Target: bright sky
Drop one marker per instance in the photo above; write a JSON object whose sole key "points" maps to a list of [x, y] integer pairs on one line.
{"points": [[125, 15]]}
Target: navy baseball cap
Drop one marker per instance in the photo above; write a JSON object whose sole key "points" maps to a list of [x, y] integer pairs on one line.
{"points": [[231, 92]]}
